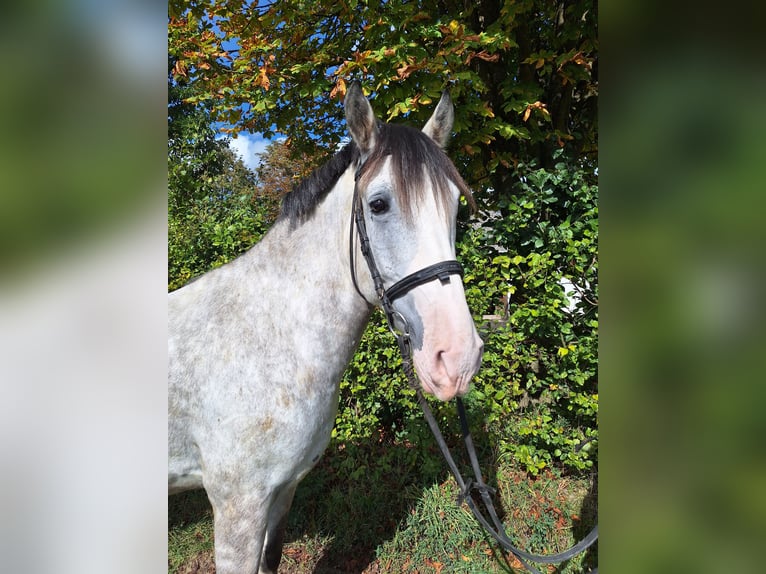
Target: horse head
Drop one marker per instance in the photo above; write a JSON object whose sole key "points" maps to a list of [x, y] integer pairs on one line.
{"points": [[408, 192]]}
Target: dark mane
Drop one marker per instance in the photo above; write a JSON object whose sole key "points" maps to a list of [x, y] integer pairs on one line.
{"points": [[300, 203], [411, 151]]}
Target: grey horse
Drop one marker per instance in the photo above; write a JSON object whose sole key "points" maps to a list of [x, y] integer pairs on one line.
{"points": [[258, 346]]}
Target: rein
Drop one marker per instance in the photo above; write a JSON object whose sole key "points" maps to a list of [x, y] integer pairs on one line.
{"points": [[442, 271]]}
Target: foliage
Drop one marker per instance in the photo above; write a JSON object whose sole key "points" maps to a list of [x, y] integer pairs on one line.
{"points": [[279, 170], [211, 216], [538, 381], [439, 536], [522, 73]]}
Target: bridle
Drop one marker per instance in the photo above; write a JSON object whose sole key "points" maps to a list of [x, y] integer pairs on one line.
{"points": [[441, 271]]}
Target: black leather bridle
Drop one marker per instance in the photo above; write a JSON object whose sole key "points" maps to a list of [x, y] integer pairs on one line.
{"points": [[442, 271]]}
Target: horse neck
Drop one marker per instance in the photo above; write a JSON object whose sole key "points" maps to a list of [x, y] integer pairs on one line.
{"points": [[312, 261]]}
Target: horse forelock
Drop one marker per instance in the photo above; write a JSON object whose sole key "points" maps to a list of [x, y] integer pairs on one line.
{"points": [[416, 161]]}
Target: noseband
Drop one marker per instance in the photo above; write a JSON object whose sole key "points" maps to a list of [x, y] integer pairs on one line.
{"points": [[441, 271]]}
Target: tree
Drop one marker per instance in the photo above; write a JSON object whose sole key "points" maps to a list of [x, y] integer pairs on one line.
{"points": [[211, 215], [523, 74], [279, 171], [194, 154]]}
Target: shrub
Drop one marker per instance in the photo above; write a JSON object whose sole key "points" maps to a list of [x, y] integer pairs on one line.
{"points": [[538, 382]]}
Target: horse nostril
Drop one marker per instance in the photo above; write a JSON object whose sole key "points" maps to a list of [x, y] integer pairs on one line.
{"points": [[440, 364]]}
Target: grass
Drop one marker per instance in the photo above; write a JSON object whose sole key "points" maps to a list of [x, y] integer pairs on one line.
{"points": [[190, 528], [440, 536], [388, 505]]}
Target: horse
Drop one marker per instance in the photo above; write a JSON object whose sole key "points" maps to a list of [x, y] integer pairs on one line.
{"points": [[257, 347]]}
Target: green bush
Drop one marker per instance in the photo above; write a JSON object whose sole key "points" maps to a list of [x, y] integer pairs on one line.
{"points": [[538, 382], [210, 232]]}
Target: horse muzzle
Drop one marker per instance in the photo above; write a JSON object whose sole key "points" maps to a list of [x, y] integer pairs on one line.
{"points": [[447, 374]]}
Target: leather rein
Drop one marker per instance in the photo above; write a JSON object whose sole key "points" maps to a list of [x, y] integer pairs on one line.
{"points": [[442, 271]]}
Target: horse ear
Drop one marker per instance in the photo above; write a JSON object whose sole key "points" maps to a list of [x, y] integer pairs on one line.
{"points": [[439, 127], [360, 118]]}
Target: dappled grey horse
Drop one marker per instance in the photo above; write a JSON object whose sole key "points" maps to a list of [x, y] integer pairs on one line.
{"points": [[258, 346]]}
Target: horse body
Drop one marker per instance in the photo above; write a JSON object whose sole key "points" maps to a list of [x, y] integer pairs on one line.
{"points": [[258, 346]]}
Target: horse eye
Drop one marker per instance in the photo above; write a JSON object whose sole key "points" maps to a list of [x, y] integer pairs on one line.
{"points": [[378, 206]]}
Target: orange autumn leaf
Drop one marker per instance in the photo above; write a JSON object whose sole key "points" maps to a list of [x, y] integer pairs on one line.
{"points": [[535, 106], [483, 55], [262, 79], [340, 88], [407, 69], [179, 69]]}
